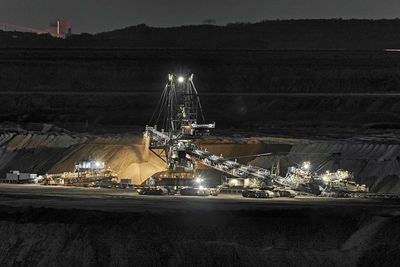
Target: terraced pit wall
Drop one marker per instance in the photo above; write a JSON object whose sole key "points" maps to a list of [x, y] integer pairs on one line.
{"points": [[95, 89], [374, 164]]}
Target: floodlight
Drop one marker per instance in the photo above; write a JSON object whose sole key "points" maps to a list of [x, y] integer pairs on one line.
{"points": [[306, 165], [181, 79]]}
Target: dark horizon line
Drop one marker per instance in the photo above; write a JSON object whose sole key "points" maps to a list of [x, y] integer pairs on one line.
{"points": [[216, 24], [248, 23]]}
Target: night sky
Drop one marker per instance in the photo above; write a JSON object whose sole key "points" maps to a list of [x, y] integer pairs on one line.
{"points": [[103, 15]]}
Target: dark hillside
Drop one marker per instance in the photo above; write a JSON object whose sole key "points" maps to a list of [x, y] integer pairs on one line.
{"points": [[245, 89], [252, 76], [285, 34], [277, 34]]}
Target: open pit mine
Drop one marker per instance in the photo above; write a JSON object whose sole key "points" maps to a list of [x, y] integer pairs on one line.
{"points": [[178, 154]]}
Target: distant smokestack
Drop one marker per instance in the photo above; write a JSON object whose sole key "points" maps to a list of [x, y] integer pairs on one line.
{"points": [[59, 28]]}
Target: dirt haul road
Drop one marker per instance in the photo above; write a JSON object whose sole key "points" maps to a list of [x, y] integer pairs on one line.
{"points": [[61, 197]]}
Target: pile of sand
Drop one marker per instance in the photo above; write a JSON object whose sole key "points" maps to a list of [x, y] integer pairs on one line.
{"points": [[126, 155]]}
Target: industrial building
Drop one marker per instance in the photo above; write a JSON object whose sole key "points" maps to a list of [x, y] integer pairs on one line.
{"points": [[57, 28]]}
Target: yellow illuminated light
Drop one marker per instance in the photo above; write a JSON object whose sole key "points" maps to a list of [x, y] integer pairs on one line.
{"points": [[306, 165]]}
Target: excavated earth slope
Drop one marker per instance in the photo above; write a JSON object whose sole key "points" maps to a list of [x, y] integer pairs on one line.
{"points": [[55, 153], [374, 163]]}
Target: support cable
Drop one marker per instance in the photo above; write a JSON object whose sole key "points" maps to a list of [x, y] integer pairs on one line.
{"points": [[198, 101]]}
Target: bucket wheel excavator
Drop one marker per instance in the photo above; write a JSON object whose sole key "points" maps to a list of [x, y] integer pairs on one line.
{"points": [[180, 115]]}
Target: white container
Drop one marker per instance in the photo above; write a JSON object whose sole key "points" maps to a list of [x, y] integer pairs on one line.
{"points": [[12, 176], [27, 176]]}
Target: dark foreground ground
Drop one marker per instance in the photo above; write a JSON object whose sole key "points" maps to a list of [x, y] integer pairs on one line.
{"points": [[47, 226]]}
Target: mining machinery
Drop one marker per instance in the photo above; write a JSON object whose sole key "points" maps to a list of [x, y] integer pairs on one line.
{"points": [[180, 115]]}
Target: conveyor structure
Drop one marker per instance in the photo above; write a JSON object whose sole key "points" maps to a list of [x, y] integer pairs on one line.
{"points": [[233, 168], [179, 112]]}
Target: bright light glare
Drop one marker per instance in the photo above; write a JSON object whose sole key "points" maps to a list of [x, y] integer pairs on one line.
{"points": [[201, 187], [306, 165], [198, 180], [181, 79], [97, 164], [325, 178]]}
